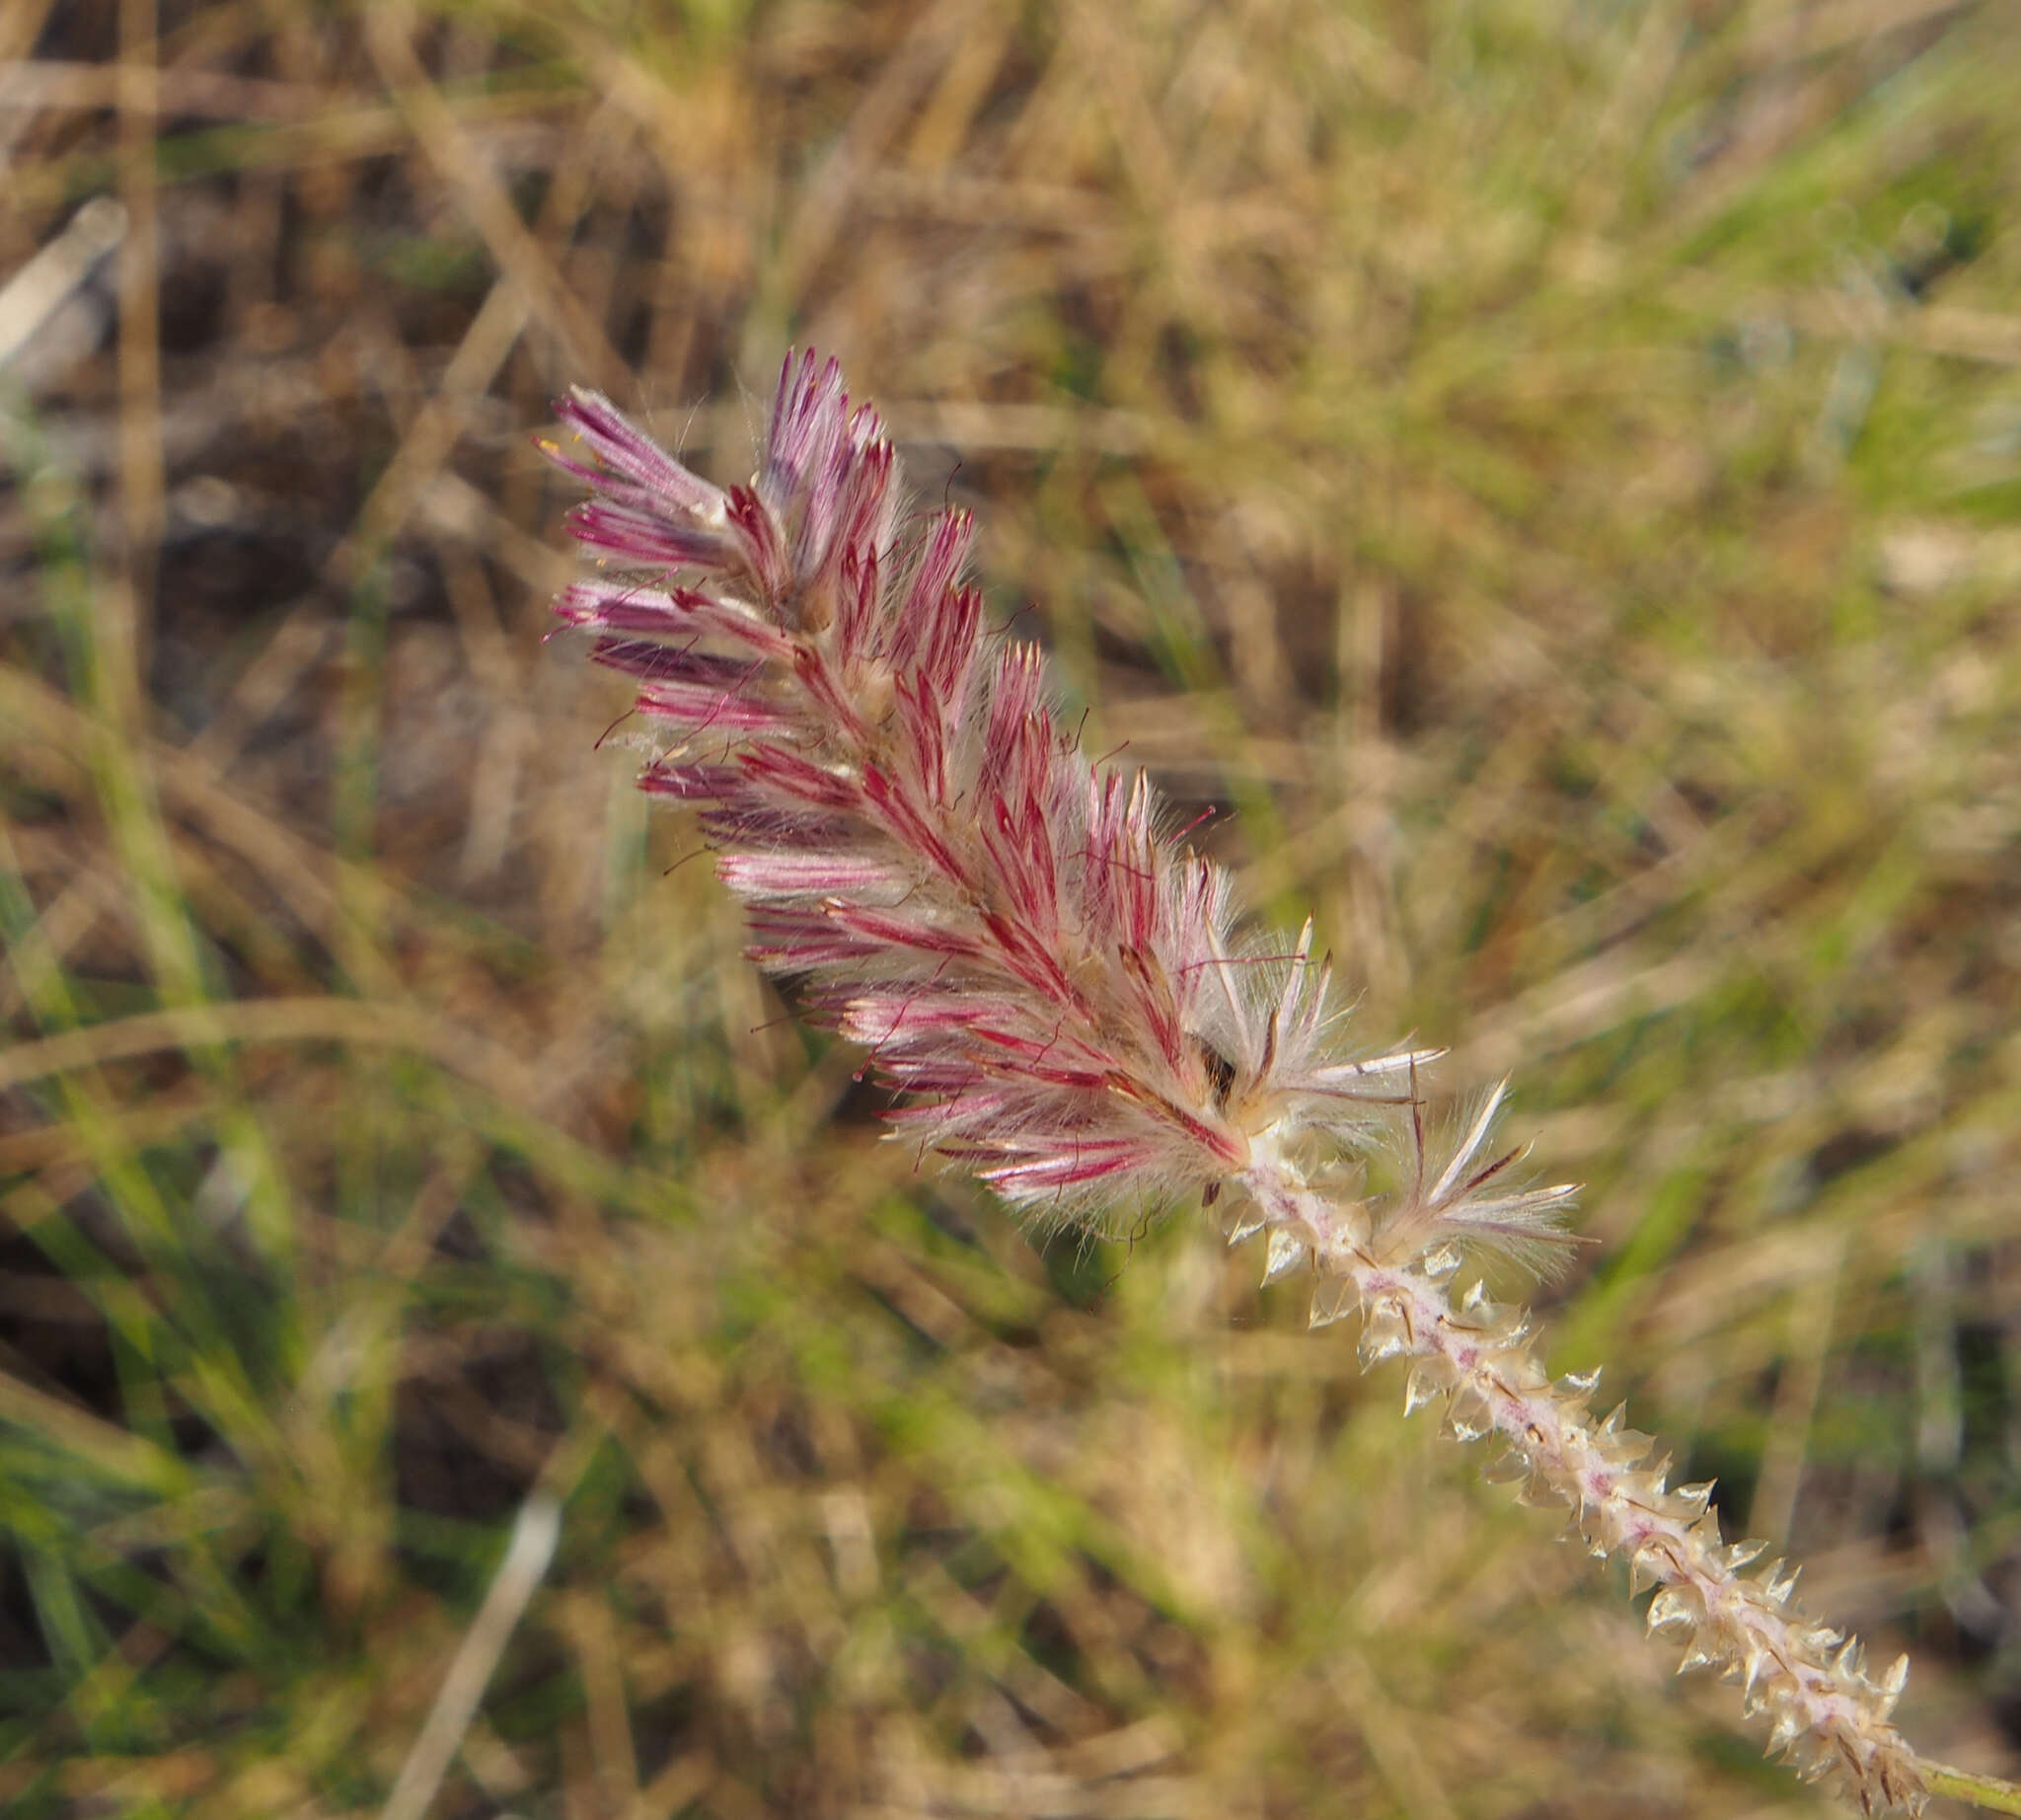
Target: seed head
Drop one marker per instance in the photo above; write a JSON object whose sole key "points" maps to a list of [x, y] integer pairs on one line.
{"points": [[1051, 977], [1058, 988]]}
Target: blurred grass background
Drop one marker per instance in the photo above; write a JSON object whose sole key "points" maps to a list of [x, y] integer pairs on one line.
{"points": [[1547, 469]]}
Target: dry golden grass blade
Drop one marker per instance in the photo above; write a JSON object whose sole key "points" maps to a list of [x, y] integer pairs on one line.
{"points": [[35, 959], [1581, 1003], [141, 484], [598, 1645], [390, 30], [20, 26], [815, 226], [59, 1149], [300, 873], [358, 1021], [104, 1446], [345, 131], [34, 294], [1839, 23], [435, 429], [300, 643], [89, 87], [1402, 1755], [510, 736], [530, 274], [1812, 1325], [455, 507], [531, 1548]]}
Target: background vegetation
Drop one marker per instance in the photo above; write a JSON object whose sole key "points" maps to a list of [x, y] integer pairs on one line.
{"points": [[1547, 470]]}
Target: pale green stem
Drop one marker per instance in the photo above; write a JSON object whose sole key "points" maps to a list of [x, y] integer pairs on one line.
{"points": [[1986, 1792]]}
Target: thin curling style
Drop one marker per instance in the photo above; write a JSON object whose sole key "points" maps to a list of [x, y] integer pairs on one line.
{"points": [[1058, 988]]}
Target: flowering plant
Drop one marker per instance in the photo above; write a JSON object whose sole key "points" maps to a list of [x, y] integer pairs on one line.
{"points": [[1057, 987]]}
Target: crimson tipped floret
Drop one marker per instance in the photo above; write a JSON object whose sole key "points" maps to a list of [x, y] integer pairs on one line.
{"points": [[1048, 973]]}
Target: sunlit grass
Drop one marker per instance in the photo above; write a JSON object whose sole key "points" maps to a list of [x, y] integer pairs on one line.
{"points": [[1546, 473]]}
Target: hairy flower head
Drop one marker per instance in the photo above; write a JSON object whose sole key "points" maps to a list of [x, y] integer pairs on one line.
{"points": [[1057, 984], [1051, 977]]}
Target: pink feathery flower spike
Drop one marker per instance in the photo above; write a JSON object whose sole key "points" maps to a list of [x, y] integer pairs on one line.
{"points": [[1059, 989]]}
